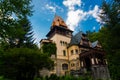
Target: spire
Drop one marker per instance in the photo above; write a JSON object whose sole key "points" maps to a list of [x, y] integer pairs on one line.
{"points": [[58, 21]]}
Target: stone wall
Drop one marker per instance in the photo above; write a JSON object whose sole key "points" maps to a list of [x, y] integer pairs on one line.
{"points": [[59, 70], [100, 72]]}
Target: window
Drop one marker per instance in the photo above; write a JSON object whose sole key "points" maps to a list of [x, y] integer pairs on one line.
{"points": [[65, 66], [72, 65], [76, 51], [64, 53], [71, 52], [65, 43], [61, 43]]}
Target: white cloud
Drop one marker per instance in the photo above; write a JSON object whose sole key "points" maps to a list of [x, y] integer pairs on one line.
{"points": [[71, 3], [57, 7], [95, 13], [51, 8], [75, 16]]}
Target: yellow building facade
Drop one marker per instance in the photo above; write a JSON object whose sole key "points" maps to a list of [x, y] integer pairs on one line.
{"points": [[67, 57], [74, 52]]}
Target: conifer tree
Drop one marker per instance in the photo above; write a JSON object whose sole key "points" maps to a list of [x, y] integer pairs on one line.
{"points": [[19, 58], [14, 22], [23, 35], [109, 35]]}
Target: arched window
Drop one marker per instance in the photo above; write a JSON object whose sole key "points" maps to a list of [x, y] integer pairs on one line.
{"points": [[65, 66]]}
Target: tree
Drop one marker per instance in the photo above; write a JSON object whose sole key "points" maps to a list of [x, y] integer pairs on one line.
{"points": [[92, 35], [102, 36], [49, 48], [108, 36], [111, 18], [23, 63], [20, 59], [11, 11], [24, 35], [13, 20]]}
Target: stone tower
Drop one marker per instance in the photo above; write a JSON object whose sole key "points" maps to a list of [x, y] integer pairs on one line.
{"points": [[61, 35]]}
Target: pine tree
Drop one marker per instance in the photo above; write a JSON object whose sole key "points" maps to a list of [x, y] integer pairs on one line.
{"points": [[15, 28], [110, 33], [23, 35], [19, 58]]}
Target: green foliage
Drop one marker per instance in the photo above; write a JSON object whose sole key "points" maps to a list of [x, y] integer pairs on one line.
{"points": [[93, 36], [23, 63], [49, 48], [103, 36], [114, 65], [53, 76], [113, 55], [67, 77], [2, 78], [108, 36], [12, 8], [20, 8], [20, 36], [24, 35], [112, 24], [15, 27], [20, 58]]}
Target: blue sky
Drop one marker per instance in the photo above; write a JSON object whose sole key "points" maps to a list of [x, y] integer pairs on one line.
{"points": [[78, 15]]}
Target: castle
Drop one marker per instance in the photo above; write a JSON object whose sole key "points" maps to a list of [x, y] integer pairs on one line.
{"points": [[75, 53]]}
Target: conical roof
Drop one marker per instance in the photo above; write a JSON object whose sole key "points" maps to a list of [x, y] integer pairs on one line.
{"points": [[58, 21]]}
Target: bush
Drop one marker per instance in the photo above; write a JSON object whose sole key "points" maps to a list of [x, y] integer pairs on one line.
{"points": [[23, 63], [2, 78], [67, 77]]}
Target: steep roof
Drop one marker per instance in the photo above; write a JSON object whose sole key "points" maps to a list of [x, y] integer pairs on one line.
{"points": [[94, 44], [76, 38], [58, 21]]}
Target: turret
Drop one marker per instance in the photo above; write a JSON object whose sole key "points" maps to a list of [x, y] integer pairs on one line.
{"points": [[59, 27]]}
